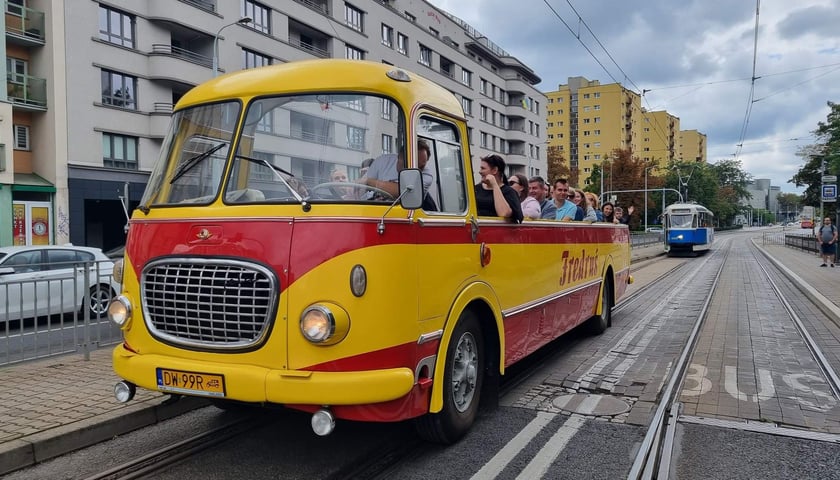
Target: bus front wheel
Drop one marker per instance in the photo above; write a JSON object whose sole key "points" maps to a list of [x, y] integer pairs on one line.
{"points": [[462, 382]]}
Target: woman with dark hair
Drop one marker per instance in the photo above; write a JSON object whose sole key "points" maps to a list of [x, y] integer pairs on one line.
{"points": [[493, 196], [608, 211], [530, 205]]}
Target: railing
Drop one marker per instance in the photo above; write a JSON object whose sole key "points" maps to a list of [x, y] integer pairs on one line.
{"points": [[804, 240], [312, 137], [208, 5], [24, 22], [317, 51], [47, 317], [30, 91], [162, 107], [172, 51], [318, 7]]}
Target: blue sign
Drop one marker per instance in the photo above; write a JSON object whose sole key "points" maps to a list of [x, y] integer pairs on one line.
{"points": [[829, 193]]}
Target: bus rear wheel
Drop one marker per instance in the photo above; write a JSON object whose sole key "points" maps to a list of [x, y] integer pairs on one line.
{"points": [[462, 383]]}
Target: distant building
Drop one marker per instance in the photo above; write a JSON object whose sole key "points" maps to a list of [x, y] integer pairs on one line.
{"points": [[587, 121]]}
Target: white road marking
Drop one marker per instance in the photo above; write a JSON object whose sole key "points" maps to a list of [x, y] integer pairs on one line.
{"points": [[512, 449], [766, 388], [552, 449]]}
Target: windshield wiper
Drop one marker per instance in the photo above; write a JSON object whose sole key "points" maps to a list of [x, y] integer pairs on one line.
{"points": [[192, 162], [277, 171]]}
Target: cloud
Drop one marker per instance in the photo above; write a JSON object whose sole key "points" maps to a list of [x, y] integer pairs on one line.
{"points": [[696, 59]]}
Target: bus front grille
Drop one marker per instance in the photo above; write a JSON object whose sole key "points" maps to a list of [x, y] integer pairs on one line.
{"points": [[209, 304]]}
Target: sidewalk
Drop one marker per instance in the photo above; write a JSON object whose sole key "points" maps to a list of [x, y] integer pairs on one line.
{"points": [[57, 405]]}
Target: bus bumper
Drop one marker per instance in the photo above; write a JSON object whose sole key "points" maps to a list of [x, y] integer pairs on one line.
{"points": [[254, 384]]}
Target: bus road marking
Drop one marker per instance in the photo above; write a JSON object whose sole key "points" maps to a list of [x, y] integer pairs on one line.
{"points": [[552, 449]]}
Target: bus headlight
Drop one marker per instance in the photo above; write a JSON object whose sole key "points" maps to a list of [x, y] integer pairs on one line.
{"points": [[119, 311], [324, 324], [118, 271]]}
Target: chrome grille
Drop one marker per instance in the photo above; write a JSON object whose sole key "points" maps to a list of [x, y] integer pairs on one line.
{"points": [[208, 303]]}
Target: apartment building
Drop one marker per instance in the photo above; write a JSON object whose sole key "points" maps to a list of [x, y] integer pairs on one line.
{"points": [[101, 79], [693, 146], [587, 121]]}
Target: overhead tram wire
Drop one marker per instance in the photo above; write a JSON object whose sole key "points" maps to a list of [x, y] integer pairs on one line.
{"points": [[657, 128], [753, 78]]}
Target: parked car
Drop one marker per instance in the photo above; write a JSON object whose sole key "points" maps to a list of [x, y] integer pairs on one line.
{"points": [[44, 280], [654, 229]]}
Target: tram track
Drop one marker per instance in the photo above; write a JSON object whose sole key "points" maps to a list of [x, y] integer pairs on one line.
{"points": [[655, 456]]}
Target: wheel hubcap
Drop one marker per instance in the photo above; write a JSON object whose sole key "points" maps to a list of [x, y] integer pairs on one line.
{"points": [[464, 372]]}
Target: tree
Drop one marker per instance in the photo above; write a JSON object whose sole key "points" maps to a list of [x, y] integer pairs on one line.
{"points": [[820, 158], [789, 205], [557, 167]]}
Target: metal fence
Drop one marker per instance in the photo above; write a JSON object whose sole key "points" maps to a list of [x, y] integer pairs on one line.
{"points": [[805, 241], [54, 311]]}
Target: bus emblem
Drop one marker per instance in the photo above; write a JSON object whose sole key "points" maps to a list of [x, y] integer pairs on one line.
{"points": [[203, 234]]}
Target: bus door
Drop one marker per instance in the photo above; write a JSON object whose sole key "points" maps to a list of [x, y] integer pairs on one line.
{"points": [[446, 253]]}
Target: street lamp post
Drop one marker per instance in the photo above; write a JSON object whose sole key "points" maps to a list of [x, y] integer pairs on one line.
{"points": [[646, 195], [216, 43]]}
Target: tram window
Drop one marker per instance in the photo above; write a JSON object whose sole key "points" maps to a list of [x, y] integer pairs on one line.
{"points": [[681, 221]]}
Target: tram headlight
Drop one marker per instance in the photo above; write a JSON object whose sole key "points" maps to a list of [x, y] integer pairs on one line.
{"points": [[324, 324], [679, 237], [119, 311]]}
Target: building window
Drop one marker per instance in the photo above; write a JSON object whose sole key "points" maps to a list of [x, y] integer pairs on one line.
{"points": [[387, 141], [411, 18], [353, 53], [467, 104], [425, 55], [597, 94], [466, 77], [252, 59], [116, 27], [386, 109], [596, 132], [482, 113], [21, 137], [482, 86], [16, 70], [597, 144], [597, 120], [483, 140], [597, 107], [387, 36], [119, 90], [402, 44], [354, 17], [585, 95], [119, 151], [260, 16], [434, 32], [356, 138]]}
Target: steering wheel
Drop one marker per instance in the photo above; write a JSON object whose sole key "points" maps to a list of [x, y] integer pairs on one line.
{"points": [[333, 190]]}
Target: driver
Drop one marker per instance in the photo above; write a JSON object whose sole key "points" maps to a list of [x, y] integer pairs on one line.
{"points": [[384, 173], [339, 174]]}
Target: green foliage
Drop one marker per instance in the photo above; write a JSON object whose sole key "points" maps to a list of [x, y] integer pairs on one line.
{"points": [[820, 158]]}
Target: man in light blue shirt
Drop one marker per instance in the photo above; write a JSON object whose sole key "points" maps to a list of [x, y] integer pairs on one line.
{"points": [[566, 210]]}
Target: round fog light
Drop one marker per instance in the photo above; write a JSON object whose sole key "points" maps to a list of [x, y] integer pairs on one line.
{"points": [[323, 422], [124, 391]]}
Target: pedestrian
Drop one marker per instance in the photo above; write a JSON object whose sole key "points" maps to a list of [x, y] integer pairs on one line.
{"points": [[827, 236]]}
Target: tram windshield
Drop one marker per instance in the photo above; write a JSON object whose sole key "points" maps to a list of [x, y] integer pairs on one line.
{"points": [[681, 221]]}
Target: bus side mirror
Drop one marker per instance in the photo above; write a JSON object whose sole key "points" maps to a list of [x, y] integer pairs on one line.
{"points": [[411, 188]]}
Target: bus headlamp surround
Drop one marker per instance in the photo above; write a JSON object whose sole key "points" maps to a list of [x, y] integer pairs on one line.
{"points": [[119, 311], [324, 324]]}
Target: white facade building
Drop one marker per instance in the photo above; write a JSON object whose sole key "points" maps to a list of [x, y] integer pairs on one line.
{"points": [[114, 69]]}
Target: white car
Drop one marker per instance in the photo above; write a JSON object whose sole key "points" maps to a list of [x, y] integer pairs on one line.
{"points": [[44, 280]]}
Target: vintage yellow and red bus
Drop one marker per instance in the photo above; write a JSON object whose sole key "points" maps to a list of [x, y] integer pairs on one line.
{"points": [[252, 275]]}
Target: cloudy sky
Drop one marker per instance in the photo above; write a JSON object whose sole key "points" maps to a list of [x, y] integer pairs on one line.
{"points": [[693, 58]]}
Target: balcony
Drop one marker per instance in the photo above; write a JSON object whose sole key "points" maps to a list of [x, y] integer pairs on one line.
{"points": [[29, 94], [201, 14], [24, 26], [178, 66], [309, 47], [208, 5], [159, 119]]}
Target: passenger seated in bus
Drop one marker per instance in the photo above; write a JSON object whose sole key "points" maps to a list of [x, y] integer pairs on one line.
{"points": [[576, 196], [493, 196], [566, 210], [609, 212], [592, 200], [339, 175], [384, 174], [530, 205]]}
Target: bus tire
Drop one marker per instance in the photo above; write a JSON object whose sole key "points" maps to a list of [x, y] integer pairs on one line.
{"points": [[462, 383], [598, 324]]}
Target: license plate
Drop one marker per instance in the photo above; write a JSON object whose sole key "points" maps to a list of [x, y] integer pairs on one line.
{"points": [[196, 383]]}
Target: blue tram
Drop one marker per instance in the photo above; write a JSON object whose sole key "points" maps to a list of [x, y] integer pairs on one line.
{"points": [[689, 227]]}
